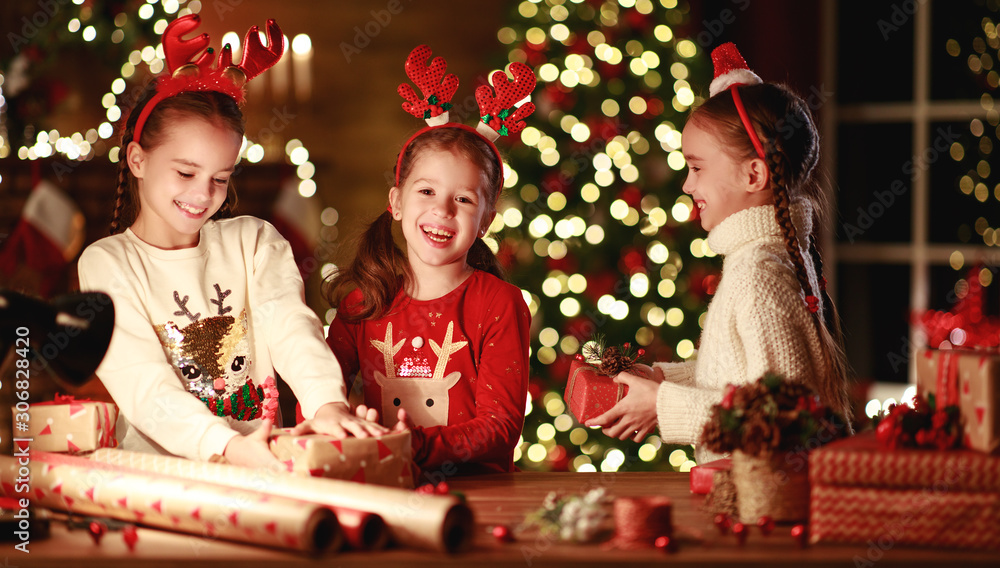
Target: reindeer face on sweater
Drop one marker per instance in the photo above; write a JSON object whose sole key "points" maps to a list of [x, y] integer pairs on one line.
{"points": [[424, 394], [212, 354]]}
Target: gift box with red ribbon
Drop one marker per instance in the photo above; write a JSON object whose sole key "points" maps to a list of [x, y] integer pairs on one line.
{"points": [[862, 492], [703, 476], [67, 425], [380, 461], [970, 380], [589, 393]]}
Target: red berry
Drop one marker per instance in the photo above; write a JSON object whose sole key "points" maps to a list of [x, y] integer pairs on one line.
{"points": [[442, 488], [799, 534], [665, 543], [502, 533], [740, 530], [131, 536], [722, 523], [426, 489], [766, 524], [97, 530]]}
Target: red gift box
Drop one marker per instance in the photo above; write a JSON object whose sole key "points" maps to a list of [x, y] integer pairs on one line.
{"points": [[963, 519], [970, 380], [702, 476], [861, 491], [590, 394]]}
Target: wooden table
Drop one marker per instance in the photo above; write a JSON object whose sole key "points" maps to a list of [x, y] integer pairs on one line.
{"points": [[502, 499]]}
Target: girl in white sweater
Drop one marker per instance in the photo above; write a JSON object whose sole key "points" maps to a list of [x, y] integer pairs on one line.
{"points": [[207, 307], [753, 181]]}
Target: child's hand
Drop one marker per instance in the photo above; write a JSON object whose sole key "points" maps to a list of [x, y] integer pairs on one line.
{"points": [[335, 419], [635, 414], [365, 413], [252, 450], [647, 372], [403, 422]]}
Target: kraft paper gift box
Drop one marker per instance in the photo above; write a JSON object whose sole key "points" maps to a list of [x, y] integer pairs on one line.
{"points": [[861, 492], [590, 394], [380, 461], [68, 425], [971, 380]]}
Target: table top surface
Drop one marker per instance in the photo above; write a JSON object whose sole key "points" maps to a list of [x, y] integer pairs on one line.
{"points": [[504, 499]]}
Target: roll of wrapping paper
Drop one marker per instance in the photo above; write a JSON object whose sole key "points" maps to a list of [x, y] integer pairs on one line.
{"points": [[81, 486], [433, 522], [362, 530]]}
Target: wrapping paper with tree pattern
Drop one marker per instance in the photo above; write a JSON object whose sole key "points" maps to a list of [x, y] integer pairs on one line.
{"points": [[380, 461], [70, 426], [970, 379]]}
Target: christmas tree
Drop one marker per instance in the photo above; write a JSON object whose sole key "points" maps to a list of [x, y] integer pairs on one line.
{"points": [[595, 225]]}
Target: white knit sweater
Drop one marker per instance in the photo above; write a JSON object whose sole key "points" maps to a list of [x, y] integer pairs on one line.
{"points": [[757, 322]]}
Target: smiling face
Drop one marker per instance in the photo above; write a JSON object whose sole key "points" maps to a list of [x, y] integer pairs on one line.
{"points": [[719, 183], [442, 209], [183, 180]]}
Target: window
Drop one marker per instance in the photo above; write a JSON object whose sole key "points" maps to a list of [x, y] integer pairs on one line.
{"points": [[910, 146]]}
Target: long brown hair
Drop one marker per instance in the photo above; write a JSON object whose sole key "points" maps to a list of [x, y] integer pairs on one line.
{"points": [[785, 126], [380, 268], [209, 105]]}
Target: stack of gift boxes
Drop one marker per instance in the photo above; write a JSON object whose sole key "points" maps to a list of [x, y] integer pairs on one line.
{"points": [[863, 492]]}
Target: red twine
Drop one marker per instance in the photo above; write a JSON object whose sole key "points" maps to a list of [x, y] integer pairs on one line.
{"points": [[640, 521]]}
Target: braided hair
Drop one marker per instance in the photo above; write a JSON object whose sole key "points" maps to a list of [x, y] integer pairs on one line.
{"points": [[784, 124], [209, 105]]}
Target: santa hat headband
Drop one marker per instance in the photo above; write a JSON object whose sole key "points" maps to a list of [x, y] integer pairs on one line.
{"points": [[190, 64], [498, 110], [731, 71]]}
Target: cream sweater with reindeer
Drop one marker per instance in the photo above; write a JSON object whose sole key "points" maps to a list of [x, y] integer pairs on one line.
{"points": [[756, 323], [211, 322]]}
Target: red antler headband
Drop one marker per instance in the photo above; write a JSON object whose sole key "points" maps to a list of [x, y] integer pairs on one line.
{"points": [[731, 71], [191, 74], [497, 103]]}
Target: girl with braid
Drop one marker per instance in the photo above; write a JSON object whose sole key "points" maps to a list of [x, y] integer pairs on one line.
{"points": [[752, 150], [207, 306]]}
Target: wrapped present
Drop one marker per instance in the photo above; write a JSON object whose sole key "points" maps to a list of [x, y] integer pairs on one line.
{"points": [[381, 461], [702, 476], [589, 393], [860, 491], [905, 516], [970, 380], [71, 426], [242, 514]]}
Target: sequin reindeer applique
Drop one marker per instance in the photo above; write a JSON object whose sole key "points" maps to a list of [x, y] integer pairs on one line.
{"points": [[424, 398], [212, 358]]}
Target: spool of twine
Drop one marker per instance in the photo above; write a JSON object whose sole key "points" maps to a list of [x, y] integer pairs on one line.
{"points": [[640, 520], [768, 485]]}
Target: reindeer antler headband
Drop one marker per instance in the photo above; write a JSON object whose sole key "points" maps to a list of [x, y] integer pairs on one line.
{"points": [[498, 110], [731, 71], [193, 72]]}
